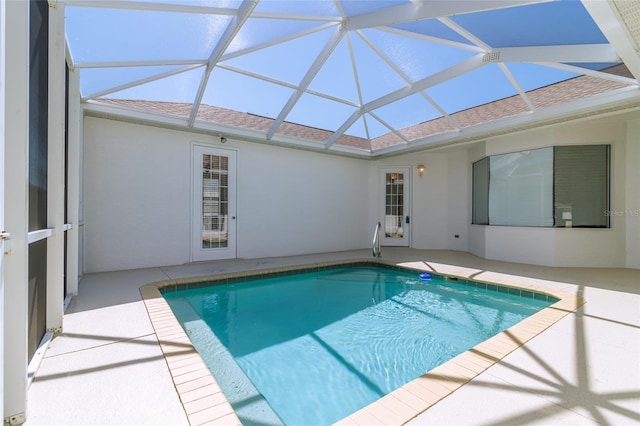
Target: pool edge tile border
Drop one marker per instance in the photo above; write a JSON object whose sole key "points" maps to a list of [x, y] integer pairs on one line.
{"points": [[204, 401]]}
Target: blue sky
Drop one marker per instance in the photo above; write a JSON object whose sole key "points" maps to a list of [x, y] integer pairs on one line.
{"points": [[104, 35]]}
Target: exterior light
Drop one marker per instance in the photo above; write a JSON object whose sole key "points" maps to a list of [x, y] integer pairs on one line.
{"points": [[421, 169]]}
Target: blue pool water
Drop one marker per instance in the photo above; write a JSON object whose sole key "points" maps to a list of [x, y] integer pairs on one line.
{"points": [[312, 348]]}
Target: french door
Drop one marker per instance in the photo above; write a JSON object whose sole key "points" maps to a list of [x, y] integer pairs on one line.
{"points": [[214, 204], [396, 220]]}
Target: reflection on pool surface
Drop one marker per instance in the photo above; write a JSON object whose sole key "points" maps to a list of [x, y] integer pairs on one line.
{"points": [[312, 348]]}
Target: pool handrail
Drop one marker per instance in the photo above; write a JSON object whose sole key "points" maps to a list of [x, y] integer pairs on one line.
{"points": [[377, 237]]}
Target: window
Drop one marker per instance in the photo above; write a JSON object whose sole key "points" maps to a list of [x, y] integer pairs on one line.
{"points": [[480, 203], [581, 186], [563, 186]]}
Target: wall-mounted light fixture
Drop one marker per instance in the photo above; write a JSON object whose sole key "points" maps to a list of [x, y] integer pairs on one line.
{"points": [[421, 169], [223, 139]]}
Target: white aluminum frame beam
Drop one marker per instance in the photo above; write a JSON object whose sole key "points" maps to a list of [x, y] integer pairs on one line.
{"points": [[294, 17], [590, 72], [429, 9], [464, 33], [275, 42], [573, 53], [517, 86], [140, 82], [149, 6], [74, 155], [227, 37], [56, 170], [607, 17], [408, 80], [308, 78], [356, 79], [456, 70], [388, 126], [14, 33], [154, 63], [431, 39], [285, 84]]}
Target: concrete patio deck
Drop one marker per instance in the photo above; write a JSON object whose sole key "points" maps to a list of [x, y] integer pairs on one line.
{"points": [[107, 368]]}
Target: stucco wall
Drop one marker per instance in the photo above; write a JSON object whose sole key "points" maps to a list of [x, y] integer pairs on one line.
{"points": [[429, 211], [296, 202], [631, 212], [137, 198], [559, 246]]}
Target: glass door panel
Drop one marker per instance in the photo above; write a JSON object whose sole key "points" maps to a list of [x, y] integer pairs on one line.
{"points": [[214, 204], [396, 220]]}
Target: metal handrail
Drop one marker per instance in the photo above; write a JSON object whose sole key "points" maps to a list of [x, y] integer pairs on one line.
{"points": [[377, 237]]}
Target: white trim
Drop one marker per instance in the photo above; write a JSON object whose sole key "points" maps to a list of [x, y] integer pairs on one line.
{"points": [[4, 235], [405, 240], [67, 226], [40, 234], [65, 304], [35, 362], [15, 31], [231, 250], [623, 100], [97, 109], [74, 135], [626, 99], [151, 7], [56, 168]]}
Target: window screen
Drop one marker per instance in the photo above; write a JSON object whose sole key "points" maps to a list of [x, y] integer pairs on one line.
{"points": [[581, 186]]}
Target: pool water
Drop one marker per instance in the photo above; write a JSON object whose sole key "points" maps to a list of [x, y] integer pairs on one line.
{"points": [[312, 348]]}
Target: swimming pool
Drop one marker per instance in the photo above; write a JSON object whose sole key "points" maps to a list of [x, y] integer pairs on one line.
{"points": [[312, 348]]}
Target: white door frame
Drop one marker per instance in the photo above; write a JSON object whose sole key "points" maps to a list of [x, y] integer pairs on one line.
{"points": [[401, 231], [229, 251]]}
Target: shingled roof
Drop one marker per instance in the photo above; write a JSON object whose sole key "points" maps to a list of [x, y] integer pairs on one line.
{"points": [[573, 89]]}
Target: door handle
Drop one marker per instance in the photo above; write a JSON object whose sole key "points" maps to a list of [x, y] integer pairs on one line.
{"points": [[406, 220]]}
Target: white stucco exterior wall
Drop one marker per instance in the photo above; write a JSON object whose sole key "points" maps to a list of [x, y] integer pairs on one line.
{"points": [[429, 217], [137, 198], [477, 233], [596, 247], [298, 202], [559, 246], [632, 194], [458, 200]]}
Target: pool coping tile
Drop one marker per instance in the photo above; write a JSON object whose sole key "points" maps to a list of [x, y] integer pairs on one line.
{"points": [[205, 403]]}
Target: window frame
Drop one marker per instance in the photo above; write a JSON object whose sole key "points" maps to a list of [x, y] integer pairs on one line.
{"points": [[475, 204]]}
